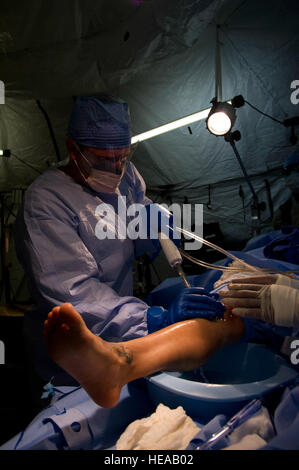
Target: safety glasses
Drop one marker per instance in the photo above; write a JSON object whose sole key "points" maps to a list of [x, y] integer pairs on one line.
{"points": [[111, 160]]}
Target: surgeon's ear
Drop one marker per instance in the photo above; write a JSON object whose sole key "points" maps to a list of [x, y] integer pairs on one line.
{"points": [[72, 148]]}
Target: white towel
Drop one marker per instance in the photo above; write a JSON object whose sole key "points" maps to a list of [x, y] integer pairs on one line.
{"points": [[165, 429]]}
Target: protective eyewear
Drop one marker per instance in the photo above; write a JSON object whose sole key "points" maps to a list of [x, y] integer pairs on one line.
{"points": [[113, 162]]}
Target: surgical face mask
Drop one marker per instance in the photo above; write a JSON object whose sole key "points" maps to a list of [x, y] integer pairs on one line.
{"points": [[104, 173], [292, 181]]}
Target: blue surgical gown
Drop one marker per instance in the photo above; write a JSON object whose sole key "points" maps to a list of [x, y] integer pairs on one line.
{"points": [[65, 261]]}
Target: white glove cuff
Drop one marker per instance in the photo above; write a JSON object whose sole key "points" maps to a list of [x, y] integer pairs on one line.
{"points": [[285, 304], [267, 312], [287, 281]]}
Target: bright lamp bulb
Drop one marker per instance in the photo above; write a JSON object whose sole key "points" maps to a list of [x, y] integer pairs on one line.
{"points": [[221, 118], [219, 123]]}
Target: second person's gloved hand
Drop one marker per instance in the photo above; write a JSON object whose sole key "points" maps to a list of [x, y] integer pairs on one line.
{"points": [[270, 298], [194, 302]]}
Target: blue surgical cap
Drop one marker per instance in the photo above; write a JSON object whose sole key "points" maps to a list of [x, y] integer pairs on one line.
{"points": [[291, 160], [100, 121]]}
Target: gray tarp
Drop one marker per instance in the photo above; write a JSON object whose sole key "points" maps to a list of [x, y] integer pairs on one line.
{"points": [[159, 56]]}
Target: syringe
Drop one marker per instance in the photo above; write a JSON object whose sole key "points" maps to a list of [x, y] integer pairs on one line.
{"points": [[173, 256], [247, 412]]}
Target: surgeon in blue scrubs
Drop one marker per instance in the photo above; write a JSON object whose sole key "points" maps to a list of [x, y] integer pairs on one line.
{"points": [[55, 231], [56, 240]]}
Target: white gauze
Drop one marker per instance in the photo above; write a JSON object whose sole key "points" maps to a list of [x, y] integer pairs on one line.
{"points": [[287, 281], [165, 429], [280, 305]]}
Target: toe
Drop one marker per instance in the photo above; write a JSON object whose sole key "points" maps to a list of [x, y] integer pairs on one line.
{"points": [[64, 327], [55, 313], [52, 321], [69, 315], [52, 316], [46, 328]]}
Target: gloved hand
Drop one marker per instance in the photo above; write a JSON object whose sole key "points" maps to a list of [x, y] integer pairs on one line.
{"points": [[269, 298], [194, 302], [266, 279], [160, 220]]}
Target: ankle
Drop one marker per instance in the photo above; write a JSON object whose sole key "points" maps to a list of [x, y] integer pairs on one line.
{"points": [[123, 358], [122, 353]]}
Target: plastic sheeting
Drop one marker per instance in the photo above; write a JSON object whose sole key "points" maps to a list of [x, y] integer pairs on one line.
{"points": [[159, 56]]}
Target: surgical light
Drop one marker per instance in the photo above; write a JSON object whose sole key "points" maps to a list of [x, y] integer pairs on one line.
{"points": [[182, 122], [5, 153], [185, 121], [221, 118]]}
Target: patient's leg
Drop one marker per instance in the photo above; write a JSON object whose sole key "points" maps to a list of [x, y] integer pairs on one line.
{"points": [[103, 368]]}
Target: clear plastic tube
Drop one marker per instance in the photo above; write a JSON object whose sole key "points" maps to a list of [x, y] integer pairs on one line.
{"points": [[218, 248], [213, 266], [246, 267]]}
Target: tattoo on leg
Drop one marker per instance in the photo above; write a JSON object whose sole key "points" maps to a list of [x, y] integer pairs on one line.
{"points": [[123, 352]]}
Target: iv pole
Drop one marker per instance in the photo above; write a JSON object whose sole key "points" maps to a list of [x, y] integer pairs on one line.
{"points": [[231, 137]]}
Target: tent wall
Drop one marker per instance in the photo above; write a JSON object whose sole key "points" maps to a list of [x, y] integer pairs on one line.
{"points": [[159, 56]]}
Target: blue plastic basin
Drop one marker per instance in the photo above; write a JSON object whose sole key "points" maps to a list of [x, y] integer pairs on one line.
{"points": [[234, 376]]}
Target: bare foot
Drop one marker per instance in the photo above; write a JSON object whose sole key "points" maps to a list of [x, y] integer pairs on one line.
{"points": [[100, 367]]}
